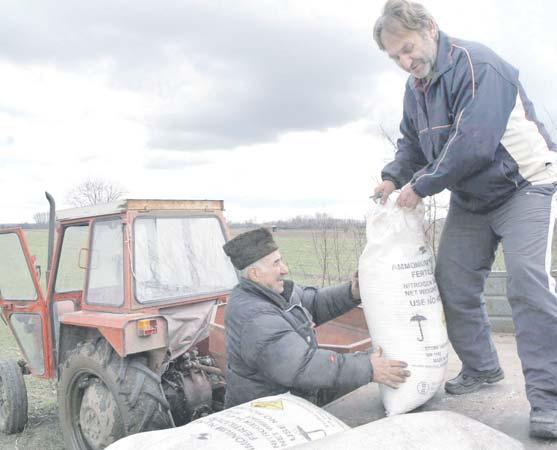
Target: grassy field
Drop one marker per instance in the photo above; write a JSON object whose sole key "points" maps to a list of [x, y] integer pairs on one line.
{"points": [[320, 258], [304, 252]]}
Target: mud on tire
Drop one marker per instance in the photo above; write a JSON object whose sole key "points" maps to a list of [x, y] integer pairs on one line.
{"points": [[13, 398], [103, 397]]}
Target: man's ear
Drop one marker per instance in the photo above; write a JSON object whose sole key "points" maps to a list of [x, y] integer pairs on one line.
{"points": [[252, 274]]}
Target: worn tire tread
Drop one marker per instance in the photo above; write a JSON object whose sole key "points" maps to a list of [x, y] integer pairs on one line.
{"points": [[136, 388], [14, 410]]}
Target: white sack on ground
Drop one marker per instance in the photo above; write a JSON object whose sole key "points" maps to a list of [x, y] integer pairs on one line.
{"points": [[435, 430], [275, 422], [402, 304]]}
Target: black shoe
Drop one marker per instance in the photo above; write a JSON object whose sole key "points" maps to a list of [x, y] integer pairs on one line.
{"points": [[464, 384], [543, 423]]}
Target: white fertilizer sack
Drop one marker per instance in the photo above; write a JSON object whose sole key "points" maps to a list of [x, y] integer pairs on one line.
{"points": [[402, 304], [432, 430], [276, 422]]}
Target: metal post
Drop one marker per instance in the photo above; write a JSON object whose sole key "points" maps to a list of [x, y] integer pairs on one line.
{"points": [[51, 224]]}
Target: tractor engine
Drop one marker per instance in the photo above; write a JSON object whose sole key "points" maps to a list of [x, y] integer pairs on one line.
{"points": [[193, 386]]}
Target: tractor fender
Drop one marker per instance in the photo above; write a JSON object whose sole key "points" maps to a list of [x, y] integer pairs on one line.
{"points": [[121, 330]]}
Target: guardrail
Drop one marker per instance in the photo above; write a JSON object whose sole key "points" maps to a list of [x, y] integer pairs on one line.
{"points": [[498, 307]]}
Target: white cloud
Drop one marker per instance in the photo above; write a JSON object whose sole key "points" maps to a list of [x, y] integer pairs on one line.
{"points": [[272, 105]]}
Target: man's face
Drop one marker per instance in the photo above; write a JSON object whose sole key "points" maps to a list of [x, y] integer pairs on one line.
{"points": [[270, 271], [413, 51]]}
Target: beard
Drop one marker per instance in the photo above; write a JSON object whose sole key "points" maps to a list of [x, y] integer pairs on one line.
{"points": [[423, 70], [426, 64]]}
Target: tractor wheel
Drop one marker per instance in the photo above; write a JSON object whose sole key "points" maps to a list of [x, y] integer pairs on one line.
{"points": [[13, 398], [103, 397]]}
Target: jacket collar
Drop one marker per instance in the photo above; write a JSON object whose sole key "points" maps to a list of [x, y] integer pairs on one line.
{"points": [[444, 60], [266, 293]]}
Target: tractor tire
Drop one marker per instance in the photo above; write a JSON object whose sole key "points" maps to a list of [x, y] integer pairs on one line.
{"points": [[13, 397], [103, 397]]}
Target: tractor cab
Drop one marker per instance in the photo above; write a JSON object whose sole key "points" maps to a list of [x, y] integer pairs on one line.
{"points": [[131, 283], [153, 266]]}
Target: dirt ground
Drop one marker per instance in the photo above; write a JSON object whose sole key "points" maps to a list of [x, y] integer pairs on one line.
{"points": [[42, 430]]}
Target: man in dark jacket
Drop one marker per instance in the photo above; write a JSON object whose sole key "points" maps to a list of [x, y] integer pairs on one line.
{"points": [[270, 343], [469, 127]]}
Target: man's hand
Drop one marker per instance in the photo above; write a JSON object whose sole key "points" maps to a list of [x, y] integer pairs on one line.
{"points": [[388, 371], [408, 198], [383, 190], [355, 286]]}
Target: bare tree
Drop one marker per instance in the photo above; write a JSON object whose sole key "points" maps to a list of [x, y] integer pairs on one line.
{"points": [[434, 222], [345, 258], [41, 218], [357, 235], [388, 137], [95, 191], [321, 238], [432, 225]]}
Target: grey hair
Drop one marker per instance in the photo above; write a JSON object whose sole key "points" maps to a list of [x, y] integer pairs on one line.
{"points": [[402, 13], [254, 265]]}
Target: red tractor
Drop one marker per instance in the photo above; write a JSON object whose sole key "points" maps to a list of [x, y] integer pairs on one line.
{"points": [[131, 323]]}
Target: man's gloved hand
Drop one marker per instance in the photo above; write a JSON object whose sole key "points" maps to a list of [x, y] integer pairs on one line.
{"points": [[355, 286], [383, 190], [388, 371], [408, 198]]}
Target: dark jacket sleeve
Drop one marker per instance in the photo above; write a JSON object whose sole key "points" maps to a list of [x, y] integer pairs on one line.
{"points": [[271, 345], [483, 102], [326, 303], [409, 157]]}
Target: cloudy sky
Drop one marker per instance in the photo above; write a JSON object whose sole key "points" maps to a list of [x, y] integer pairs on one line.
{"points": [[274, 106]]}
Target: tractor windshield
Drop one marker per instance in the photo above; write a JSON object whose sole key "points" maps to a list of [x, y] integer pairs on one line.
{"points": [[179, 257]]}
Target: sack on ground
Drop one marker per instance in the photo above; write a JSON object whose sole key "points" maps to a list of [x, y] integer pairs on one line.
{"points": [[431, 430], [276, 422], [401, 302]]}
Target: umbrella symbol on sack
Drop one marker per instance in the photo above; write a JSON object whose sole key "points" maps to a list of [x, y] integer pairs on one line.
{"points": [[418, 318], [312, 435]]}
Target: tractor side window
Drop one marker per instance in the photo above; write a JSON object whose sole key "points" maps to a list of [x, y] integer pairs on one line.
{"points": [[15, 279], [106, 280], [71, 269], [179, 257]]}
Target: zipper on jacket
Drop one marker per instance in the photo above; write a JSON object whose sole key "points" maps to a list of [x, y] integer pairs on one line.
{"points": [[507, 177]]}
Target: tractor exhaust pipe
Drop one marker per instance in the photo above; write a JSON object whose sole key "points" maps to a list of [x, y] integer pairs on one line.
{"points": [[51, 224]]}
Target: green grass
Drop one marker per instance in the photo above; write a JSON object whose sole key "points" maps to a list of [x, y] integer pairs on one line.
{"points": [[300, 250], [12, 258], [319, 257]]}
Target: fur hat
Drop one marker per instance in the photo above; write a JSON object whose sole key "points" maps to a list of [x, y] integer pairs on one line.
{"points": [[248, 247]]}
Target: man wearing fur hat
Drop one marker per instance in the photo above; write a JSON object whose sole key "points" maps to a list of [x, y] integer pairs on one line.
{"points": [[270, 343]]}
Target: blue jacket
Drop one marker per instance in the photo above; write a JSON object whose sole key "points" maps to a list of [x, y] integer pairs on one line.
{"points": [[471, 130], [271, 346]]}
